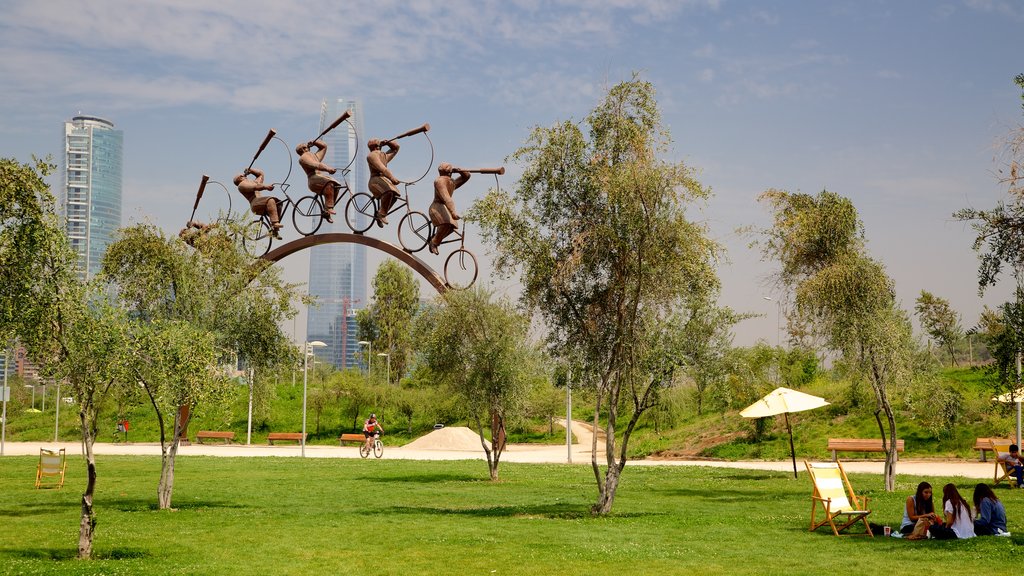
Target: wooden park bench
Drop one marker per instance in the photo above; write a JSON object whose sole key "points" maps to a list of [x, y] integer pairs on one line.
{"points": [[227, 437], [859, 445], [291, 436], [983, 445], [357, 438]]}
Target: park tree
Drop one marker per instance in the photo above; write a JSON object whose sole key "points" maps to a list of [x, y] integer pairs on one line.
{"points": [[999, 239], [66, 325], [819, 243], [704, 344], [479, 347], [387, 322], [597, 231], [207, 301], [940, 322], [174, 362]]}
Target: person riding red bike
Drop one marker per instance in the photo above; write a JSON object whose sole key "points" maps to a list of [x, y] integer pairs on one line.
{"points": [[370, 429]]}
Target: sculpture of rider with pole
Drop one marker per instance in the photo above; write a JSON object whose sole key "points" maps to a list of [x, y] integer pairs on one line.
{"points": [[382, 181], [313, 165], [442, 210]]}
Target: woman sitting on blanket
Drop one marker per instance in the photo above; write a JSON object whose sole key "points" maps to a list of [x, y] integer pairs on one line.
{"points": [[991, 513], [959, 522], [918, 506]]}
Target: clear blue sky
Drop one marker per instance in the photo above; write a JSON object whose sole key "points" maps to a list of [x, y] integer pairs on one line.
{"points": [[896, 105]]}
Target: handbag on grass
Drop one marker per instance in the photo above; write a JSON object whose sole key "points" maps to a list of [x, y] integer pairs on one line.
{"points": [[920, 529]]}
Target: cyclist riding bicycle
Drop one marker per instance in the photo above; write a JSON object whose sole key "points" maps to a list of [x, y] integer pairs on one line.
{"points": [[312, 164], [259, 204], [369, 430]]}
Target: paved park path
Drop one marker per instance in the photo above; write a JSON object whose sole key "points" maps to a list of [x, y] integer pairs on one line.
{"points": [[524, 453]]}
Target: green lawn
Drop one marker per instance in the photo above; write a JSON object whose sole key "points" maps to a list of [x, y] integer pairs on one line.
{"points": [[342, 516]]}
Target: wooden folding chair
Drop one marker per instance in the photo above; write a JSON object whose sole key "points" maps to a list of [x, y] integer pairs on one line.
{"points": [[51, 465], [833, 492], [1002, 471]]}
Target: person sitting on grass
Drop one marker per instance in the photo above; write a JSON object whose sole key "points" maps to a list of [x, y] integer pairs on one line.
{"points": [[959, 522], [918, 506], [991, 514], [1012, 460]]}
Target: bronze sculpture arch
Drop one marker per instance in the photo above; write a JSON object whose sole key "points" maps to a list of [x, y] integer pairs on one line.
{"points": [[412, 261]]}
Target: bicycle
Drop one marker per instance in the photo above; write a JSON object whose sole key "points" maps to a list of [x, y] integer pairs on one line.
{"points": [[259, 234], [311, 211], [361, 208], [460, 268], [378, 447], [415, 230]]}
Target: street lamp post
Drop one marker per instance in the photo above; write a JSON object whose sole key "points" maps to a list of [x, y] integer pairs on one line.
{"points": [[388, 360], [369, 356], [778, 319], [305, 378]]}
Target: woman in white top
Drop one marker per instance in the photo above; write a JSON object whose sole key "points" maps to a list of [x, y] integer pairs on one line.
{"points": [[959, 521]]}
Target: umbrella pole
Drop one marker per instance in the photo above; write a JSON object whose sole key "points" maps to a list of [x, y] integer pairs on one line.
{"points": [[792, 451]]}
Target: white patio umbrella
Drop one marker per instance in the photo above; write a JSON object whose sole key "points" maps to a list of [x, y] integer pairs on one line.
{"points": [[1016, 397], [784, 401]]}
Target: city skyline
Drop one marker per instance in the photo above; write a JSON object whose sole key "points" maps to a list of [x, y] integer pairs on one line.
{"points": [[90, 197], [895, 105]]}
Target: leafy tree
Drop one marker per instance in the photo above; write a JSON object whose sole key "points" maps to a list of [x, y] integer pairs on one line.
{"points": [[66, 325], [174, 361], [388, 320], [819, 243], [940, 321], [211, 303], [705, 341], [598, 233], [1000, 234], [479, 348]]}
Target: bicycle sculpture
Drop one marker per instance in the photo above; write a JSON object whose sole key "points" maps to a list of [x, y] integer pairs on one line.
{"points": [[416, 230], [193, 228], [364, 209]]}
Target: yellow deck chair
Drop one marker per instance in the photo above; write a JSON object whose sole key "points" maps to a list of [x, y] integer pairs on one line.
{"points": [[833, 492], [51, 465], [1002, 472]]}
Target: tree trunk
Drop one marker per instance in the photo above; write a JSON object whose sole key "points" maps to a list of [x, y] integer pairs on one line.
{"points": [[168, 452], [87, 524], [492, 455], [606, 490], [882, 400]]}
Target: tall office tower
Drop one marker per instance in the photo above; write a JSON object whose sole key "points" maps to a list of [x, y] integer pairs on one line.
{"points": [[337, 272], [90, 200]]}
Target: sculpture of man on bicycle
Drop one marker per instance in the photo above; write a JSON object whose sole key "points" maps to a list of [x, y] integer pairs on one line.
{"points": [[314, 167], [442, 210], [382, 181], [259, 204]]}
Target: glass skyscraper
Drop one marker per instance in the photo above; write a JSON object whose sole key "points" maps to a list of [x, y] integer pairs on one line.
{"points": [[337, 272], [90, 199]]}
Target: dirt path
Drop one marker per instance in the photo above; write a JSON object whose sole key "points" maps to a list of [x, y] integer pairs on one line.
{"points": [[582, 432]]}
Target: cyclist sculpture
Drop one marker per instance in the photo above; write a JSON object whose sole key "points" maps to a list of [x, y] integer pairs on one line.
{"points": [[259, 204], [319, 183], [382, 181], [442, 211]]}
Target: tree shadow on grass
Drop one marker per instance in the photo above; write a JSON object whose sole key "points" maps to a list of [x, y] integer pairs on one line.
{"points": [[149, 505], [37, 509], [550, 511], [723, 495], [434, 478], [64, 554]]}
